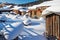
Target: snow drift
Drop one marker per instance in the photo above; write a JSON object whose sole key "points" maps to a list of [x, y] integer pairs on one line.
{"points": [[11, 31]]}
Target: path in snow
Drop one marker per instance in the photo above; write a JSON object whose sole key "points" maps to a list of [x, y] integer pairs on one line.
{"points": [[33, 32]]}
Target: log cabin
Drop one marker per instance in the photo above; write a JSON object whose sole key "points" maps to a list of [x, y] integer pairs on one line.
{"points": [[52, 16]]}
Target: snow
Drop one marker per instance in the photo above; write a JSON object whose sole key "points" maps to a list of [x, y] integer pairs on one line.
{"points": [[50, 10], [24, 9], [32, 7], [3, 17], [42, 19], [46, 3], [35, 38], [1, 26], [35, 31], [26, 19], [14, 27], [56, 0], [13, 30], [7, 6], [16, 7], [49, 3]]}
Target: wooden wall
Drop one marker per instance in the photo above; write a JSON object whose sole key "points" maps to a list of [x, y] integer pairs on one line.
{"points": [[53, 25], [43, 7], [17, 12], [36, 12], [33, 12]]}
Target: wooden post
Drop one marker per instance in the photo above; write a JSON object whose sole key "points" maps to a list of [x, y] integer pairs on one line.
{"points": [[33, 12], [30, 13]]}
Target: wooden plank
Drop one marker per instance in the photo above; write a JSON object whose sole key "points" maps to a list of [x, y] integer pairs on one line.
{"points": [[30, 13], [59, 26], [53, 25], [33, 13], [38, 12], [48, 25]]}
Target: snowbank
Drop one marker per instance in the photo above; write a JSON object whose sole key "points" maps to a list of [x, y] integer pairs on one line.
{"points": [[3, 17], [42, 19], [11, 31], [1, 26], [26, 19]]}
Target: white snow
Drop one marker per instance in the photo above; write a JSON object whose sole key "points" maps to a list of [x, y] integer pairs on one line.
{"points": [[16, 7], [13, 30], [49, 3], [52, 9], [3, 17], [36, 29], [7, 6], [23, 9], [32, 7], [46, 3], [14, 27], [26, 19], [1, 26], [42, 19]]}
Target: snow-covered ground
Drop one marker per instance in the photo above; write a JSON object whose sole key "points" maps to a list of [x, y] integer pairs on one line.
{"points": [[13, 25]]}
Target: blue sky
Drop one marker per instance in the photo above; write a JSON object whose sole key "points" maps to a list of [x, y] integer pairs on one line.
{"points": [[17, 1]]}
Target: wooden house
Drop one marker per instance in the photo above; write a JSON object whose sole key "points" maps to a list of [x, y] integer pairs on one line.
{"points": [[35, 12], [38, 12], [17, 12], [52, 15]]}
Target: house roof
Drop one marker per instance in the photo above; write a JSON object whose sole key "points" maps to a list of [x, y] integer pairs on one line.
{"points": [[50, 10]]}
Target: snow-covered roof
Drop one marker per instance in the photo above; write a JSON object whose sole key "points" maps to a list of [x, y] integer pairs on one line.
{"points": [[46, 3], [26, 10], [56, 0], [16, 7], [21, 8], [52, 9], [32, 7], [7, 6]]}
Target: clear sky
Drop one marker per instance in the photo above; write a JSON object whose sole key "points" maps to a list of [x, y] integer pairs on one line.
{"points": [[18, 1]]}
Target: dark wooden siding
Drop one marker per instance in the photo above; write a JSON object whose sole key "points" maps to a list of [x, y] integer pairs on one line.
{"points": [[53, 25]]}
